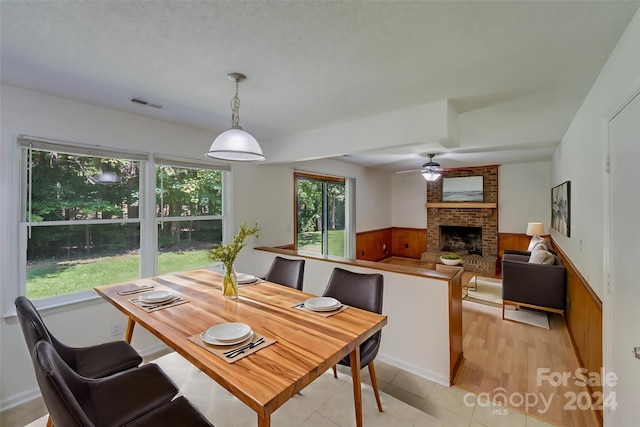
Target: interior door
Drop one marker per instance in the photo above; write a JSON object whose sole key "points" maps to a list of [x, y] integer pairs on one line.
{"points": [[623, 316]]}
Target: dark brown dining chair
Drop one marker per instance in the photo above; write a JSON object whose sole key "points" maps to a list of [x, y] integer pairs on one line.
{"points": [[91, 362], [138, 397], [362, 291], [288, 272]]}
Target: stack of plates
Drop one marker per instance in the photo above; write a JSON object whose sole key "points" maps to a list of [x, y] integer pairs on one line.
{"points": [[322, 304], [245, 279], [156, 297], [227, 334]]}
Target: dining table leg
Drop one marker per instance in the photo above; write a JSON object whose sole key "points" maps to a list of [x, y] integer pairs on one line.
{"points": [[264, 421], [354, 361], [129, 332]]}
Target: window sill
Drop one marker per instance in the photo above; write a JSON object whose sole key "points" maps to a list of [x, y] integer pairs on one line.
{"points": [[60, 304]]}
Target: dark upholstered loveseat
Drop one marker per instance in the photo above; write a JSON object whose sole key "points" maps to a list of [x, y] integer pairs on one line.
{"points": [[541, 286]]}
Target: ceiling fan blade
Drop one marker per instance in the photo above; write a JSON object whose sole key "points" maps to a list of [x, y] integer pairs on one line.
{"points": [[409, 171]]}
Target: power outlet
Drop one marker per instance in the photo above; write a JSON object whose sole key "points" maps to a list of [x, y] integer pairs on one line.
{"points": [[116, 329]]}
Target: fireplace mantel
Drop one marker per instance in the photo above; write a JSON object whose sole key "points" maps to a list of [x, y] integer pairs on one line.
{"points": [[462, 205]]}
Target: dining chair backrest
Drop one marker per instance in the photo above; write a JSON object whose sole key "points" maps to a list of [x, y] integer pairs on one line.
{"points": [[288, 272], [91, 361], [364, 291], [142, 397], [359, 290], [34, 329], [67, 398]]}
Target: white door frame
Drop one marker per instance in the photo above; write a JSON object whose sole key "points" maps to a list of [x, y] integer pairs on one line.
{"points": [[608, 325]]}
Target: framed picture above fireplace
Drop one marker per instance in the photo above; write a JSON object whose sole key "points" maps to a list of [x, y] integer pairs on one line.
{"points": [[462, 189], [561, 208]]}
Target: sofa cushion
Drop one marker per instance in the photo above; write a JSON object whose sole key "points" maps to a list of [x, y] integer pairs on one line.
{"points": [[538, 242], [542, 256]]}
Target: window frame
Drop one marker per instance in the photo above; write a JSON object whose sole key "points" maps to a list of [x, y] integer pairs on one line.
{"points": [[160, 161], [15, 262], [349, 226]]}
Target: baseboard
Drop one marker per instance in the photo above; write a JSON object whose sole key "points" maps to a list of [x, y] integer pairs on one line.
{"points": [[153, 349], [421, 372], [19, 399]]}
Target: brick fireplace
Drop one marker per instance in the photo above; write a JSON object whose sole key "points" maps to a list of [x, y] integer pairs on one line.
{"points": [[479, 216]]}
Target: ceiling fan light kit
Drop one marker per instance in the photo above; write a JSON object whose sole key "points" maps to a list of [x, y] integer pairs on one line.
{"points": [[235, 144], [431, 170], [431, 176]]}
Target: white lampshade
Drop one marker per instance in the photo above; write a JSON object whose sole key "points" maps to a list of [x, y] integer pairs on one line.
{"points": [[535, 229], [236, 145], [431, 176]]}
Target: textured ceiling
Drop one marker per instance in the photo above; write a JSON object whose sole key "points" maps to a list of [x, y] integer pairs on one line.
{"points": [[516, 72]]}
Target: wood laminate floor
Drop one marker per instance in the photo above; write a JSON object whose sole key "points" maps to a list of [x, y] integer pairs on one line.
{"points": [[510, 363]]}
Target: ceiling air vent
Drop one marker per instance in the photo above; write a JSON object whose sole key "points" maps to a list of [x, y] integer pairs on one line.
{"points": [[147, 103]]}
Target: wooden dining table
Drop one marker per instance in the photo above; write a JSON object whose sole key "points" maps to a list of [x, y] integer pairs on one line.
{"points": [[306, 344]]}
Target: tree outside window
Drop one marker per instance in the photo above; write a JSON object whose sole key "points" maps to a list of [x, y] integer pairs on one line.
{"points": [[320, 214]]}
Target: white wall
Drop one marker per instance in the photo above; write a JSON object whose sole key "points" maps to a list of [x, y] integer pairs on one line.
{"points": [[581, 157], [524, 195], [262, 194], [408, 198]]}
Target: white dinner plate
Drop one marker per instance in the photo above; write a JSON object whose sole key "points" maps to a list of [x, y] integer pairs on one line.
{"points": [[245, 279], [229, 332], [322, 304], [210, 340], [156, 296]]}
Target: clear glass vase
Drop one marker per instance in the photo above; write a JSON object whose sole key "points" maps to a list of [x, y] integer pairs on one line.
{"points": [[230, 283]]}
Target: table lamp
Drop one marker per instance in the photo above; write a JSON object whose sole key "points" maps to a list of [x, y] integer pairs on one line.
{"points": [[535, 229]]}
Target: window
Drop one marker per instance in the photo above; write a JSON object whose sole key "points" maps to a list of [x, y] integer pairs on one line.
{"points": [[83, 221], [81, 231], [321, 215], [189, 215]]}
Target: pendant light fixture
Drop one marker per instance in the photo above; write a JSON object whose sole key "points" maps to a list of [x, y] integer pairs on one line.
{"points": [[235, 144]]}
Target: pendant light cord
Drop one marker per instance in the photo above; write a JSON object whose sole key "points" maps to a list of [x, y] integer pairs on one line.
{"points": [[235, 106]]}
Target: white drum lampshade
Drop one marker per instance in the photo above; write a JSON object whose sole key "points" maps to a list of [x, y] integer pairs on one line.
{"points": [[535, 229]]}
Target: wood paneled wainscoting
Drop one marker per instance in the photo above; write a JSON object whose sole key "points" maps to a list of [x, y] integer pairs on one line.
{"points": [[376, 245], [583, 312], [514, 242], [583, 315], [373, 245], [408, 242]]}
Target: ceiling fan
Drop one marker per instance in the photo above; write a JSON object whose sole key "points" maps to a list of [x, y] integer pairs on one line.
{"points": [[430, 170]]}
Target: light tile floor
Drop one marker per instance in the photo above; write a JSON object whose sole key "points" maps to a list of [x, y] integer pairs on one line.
{"points": [[408, 401]]}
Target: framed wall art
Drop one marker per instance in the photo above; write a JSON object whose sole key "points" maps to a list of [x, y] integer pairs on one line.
{"points": [[462, 189], [561, 208]]}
